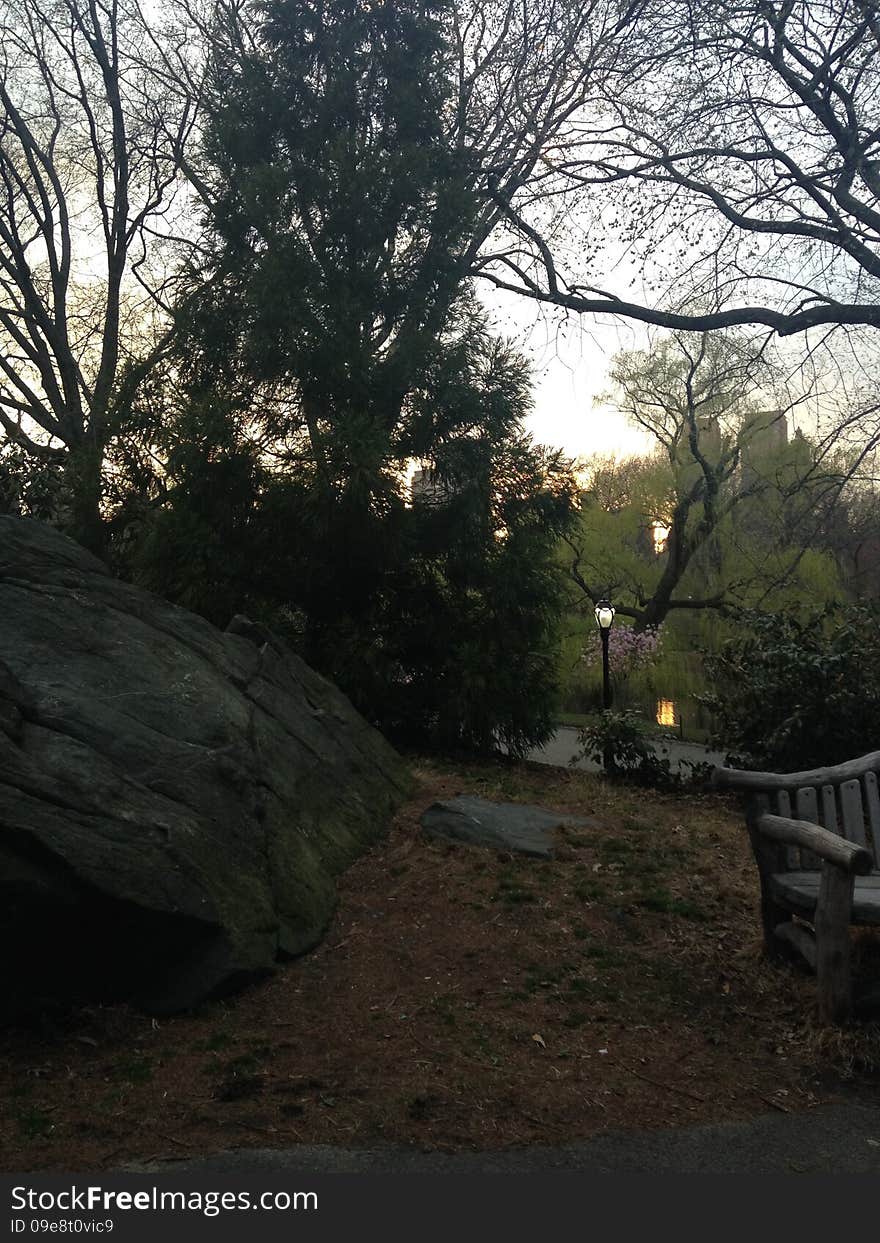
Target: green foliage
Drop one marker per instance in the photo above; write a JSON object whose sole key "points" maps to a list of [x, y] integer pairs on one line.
{"points": [[617, 741], [617, 737], [755, 557], [438, 617], [472, 630], [798, 691], [339, 207], [728, 512], [29, 487], [199, 546], [335, 343]]}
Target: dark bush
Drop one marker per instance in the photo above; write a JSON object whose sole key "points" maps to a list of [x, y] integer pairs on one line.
{"points": [[617, 741], [795, 692]]}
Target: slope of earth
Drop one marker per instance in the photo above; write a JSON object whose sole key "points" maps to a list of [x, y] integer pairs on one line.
{"points": [[466, 998]]}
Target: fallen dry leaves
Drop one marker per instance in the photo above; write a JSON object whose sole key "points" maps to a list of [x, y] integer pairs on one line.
{"points": [[465, 998]]}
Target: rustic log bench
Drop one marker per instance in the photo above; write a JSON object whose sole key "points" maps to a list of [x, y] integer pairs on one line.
{"points": [[816, 840]]}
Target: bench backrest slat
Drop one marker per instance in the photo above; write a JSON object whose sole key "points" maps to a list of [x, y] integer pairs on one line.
{"points": [[872, 799], [791, 854], [829, 810], [807, 808], [852, 814]]}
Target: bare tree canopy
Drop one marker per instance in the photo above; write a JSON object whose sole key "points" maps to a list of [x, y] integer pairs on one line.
{"points": [[694, 164], [731, 151], [719, 408], [87, 169]]}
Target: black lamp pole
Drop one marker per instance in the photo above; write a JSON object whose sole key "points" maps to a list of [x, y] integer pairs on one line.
{"points": [[606, 676], [604, 612]]}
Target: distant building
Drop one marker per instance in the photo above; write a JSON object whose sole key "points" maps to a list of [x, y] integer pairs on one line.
{"points": [[428, 489], [659, 537], [766, 432], [763, 438], [709, 437]]}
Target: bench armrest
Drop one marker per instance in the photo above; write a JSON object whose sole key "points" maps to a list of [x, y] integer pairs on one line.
{"points": [[828, 846], [754, 782]]}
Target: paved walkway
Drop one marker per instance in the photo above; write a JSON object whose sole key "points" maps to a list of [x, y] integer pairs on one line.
{"points": [[831, 1139], [564, 744]]}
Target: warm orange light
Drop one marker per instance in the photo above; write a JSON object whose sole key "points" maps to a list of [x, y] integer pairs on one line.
{"points": [[660, 534], [665, 712]]}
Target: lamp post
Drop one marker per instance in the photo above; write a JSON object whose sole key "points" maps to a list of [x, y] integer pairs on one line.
{"points": [[605, 620], [604, 612]]}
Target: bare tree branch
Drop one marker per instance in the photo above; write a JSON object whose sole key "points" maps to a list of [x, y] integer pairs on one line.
{"points": [[740, 139], [89, 155]]}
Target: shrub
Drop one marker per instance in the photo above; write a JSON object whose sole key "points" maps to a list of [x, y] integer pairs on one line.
{"points": [[617, 741], [798, 692]]}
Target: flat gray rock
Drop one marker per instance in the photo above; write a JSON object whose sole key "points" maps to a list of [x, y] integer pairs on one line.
{"points": [[499, 826]]}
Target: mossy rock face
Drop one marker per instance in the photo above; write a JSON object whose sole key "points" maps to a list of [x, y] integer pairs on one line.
{"points": [[175, 801]]}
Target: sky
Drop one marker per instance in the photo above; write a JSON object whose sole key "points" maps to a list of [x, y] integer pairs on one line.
{"points": [[570, 357]]}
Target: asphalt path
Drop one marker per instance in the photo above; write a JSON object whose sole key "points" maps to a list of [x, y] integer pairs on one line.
{"points": [[842, 1138], [564, 744]]}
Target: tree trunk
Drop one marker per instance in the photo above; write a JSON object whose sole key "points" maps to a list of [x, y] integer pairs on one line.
{"points": [[83, 520]]}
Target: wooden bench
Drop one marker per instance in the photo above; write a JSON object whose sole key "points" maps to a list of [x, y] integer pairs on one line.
{"points": [[816, 840]]}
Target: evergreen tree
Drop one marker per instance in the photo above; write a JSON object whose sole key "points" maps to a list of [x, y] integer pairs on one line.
{"points": [[340, 214], [337, 329]]}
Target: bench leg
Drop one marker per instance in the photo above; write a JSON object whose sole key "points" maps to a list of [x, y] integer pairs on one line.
{"points": [[769, 860], [833, 914], [773, 917]]}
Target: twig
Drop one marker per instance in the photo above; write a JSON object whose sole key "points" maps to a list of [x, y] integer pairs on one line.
{"points": [[181, 1143], [264, 1130], [669, 1087], [768, 1100]]}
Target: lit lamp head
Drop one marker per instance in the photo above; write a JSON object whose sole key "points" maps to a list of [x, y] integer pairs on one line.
{"points": [[604, 611]]}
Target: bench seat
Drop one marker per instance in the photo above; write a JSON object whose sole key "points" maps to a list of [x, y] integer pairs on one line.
{"points": [[800, 890]]}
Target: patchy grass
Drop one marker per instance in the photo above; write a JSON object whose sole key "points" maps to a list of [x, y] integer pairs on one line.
{"points": [[33, 1123], [466, 998]]}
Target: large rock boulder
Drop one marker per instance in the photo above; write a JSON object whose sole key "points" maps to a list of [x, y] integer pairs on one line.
{"points": [[174, 801]]}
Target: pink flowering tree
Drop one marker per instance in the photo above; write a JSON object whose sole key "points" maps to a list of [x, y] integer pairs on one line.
{"points": [[628, 650]]}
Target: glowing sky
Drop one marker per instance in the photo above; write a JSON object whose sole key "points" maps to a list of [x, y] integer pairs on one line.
{"points": [[570, 359]]}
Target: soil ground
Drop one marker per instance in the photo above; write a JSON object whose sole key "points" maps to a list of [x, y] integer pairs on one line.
{"points": [[467, 999]]}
